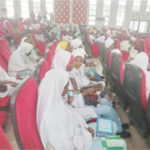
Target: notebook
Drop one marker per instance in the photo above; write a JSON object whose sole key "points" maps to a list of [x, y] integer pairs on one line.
{"points": [[104, 127]]}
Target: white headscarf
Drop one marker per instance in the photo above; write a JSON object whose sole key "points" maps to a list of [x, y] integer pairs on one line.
{"points": [[4, 77], [76, 43], [125, 45], [109, 42], [142, 61], [19, 60], [61, 59], [78, 74], [79, 52], [55, 123]]}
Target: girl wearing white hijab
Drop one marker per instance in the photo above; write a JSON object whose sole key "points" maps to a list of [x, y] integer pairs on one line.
{"points": [[76, 43], [142, 61], [10, 82], [19, 61], [101, 110], [56, 124], [62, 59], [109, 42], [78, 72], [59, 125]]}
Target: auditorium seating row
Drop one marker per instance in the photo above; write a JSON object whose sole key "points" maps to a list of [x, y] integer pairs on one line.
{"points": [[43, 66], [129, 83], [6, 33]]}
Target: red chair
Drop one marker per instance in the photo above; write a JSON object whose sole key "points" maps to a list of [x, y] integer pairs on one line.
{"points": [[23, 111], [4, 143], [4, 101], [125, 55], [20, 26], [44, 69], [95, 49], [5, 50], [41, 47], [2, 118], [134, 85]]}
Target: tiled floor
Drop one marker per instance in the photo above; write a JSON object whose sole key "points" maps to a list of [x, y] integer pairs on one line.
{"points": [[136, 142]]}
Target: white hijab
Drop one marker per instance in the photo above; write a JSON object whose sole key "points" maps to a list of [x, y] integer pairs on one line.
{"points": [[142, 61], [76, 43], [19, 60], [79, 52], [4, 76], [108, 42], [55, 123], [61, 59], [78, 74]]}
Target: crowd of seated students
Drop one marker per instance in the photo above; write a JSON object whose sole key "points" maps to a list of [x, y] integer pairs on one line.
{"points": [[129, 41], [71, 92]]}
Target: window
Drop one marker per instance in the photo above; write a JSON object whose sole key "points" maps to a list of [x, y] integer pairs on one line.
{"points": [[24, 8], [10, 8], [134, 25], [92, 11], [143, 27], [121, 12], [49, 6], [106, 11], [36, 6], [136, 5], [148, 6]]}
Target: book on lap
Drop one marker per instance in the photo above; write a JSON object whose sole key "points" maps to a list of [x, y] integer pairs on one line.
{"points": [[104, 127]]}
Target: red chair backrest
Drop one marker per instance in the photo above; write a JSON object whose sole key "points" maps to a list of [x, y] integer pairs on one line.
{"points": [[41, 47], [5, 50], [125, 55], [4, 143], [95, 49], [20, 26], [44, 69], [3, 64], [2, 121], [23, 110], [134, 83], [50, 57]]}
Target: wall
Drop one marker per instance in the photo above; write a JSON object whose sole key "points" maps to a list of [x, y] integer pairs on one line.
{"points": [[71, 11], [129, 14]]}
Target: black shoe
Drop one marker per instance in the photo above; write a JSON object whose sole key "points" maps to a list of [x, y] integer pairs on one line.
{"points": [[124, 134], [125, 126]]}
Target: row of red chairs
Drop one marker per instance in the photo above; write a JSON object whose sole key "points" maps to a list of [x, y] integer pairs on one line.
{"points": [[42, 68], [129, 83]]}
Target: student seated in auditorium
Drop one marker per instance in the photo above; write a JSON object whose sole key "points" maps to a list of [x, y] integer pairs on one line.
{"points": [[142, 61], [16, 31], [20, 64], [7, 84], [102, 107], [55, 117]]}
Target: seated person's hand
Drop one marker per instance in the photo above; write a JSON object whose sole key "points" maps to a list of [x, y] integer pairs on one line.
{"points": [[98, 87], [91, 131], [93, 78], [70, 99], [89, 91]]}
